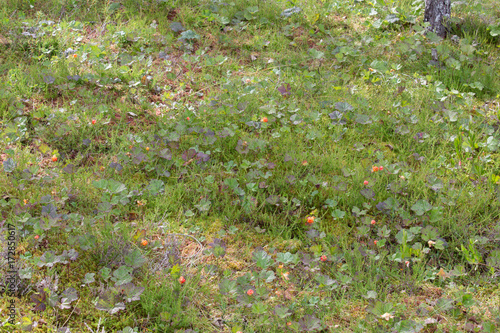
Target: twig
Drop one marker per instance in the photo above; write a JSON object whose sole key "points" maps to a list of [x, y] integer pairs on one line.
{"points": [[98, 326], [74, 308]]}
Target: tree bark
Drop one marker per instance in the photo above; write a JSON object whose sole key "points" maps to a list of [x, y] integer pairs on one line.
{"points": [[436, 13]]}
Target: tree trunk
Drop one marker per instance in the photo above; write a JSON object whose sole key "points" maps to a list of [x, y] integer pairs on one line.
{"points": [[436, 13]]}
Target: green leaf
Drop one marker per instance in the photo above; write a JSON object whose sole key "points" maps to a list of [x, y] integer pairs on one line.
{"points": [[439, 244], [259, 308], [115, 187], [155, 186], [68, 296], [262, 259], [87, 241], [89, 278], [309, 323], [189, 35], [404, 236], [492, 143], [267, 276], [122, 275], [252, 187], [436, 214], [111, 186], [381, 308], [391, 18], [282, 311], [384, 232], [131, 292], [135, 259], [477, 85], [325, 281], [232, 183], [290, 11], [287, 258], [49, 259], [421, 207], [105, 273], [343, 107], [106, 302], [338, 214], [494, 30], [26, 324], [227, 287], [9, 165], [316, 54], [204, 205], [176, 27], [165, 154], [377, 24], [25, 273], [429, 233], [444, 304], [128, 329], [331, 203]]}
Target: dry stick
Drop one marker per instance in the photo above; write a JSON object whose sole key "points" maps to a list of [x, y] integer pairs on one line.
{"points": [[74, 308]]}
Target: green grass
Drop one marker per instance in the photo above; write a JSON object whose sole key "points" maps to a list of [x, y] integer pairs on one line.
{"points": [[147, 142]]}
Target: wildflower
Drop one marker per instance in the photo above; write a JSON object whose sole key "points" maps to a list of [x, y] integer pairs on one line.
{"points": [[285, 275], [182, 280], [289, 323], [375, 242], [365, 182], [93, 121], [264, 120], [188, 119], [402, 177], [371, 69], [250, 292], [310, 220], [54, 158], [375, 168], [147, 148], [36, 237], [372, 222], [75, 56], [25, 201], [322, 258], [387, 316], [144, 242], [381, 168]]}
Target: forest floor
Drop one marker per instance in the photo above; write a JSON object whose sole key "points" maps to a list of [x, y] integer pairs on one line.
{"points": [[248, 166]]}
